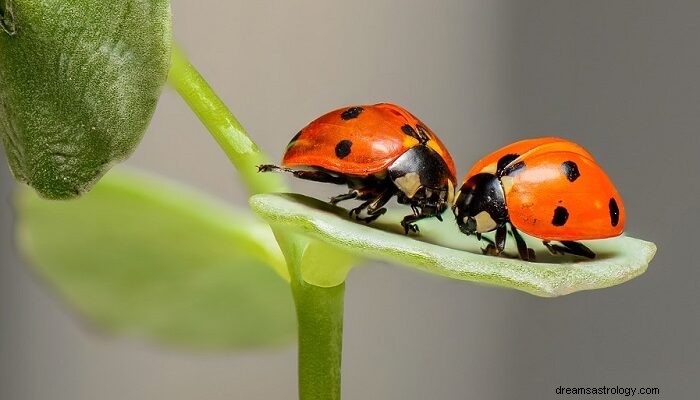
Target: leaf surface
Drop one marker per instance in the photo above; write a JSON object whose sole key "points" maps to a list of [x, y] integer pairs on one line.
{"points": [[141, 257], [79, 82], [441, 249]]}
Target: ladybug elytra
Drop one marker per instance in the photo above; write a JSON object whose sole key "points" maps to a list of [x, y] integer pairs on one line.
{"points": [[379, 151], [549, 188]]}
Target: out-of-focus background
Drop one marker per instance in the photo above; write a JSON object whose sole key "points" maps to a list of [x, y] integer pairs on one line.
{"points": [[619, 77]]}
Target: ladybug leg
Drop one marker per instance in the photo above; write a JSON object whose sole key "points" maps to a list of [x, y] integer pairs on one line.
{"points": [[569, 247], [525, 253], [419, 212], [342, 197], [408, 222], [374, 207], [501, 238], [355, 212], [496, 248], [553, 248], [481, 237], [309, 175], [578, 249]]}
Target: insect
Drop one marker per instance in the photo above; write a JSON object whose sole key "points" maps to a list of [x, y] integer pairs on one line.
{"points": [[549, 188], [379, 151]]}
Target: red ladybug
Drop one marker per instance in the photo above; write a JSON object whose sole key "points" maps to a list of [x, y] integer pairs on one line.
{"points": [[549, 188], [379, 151]]}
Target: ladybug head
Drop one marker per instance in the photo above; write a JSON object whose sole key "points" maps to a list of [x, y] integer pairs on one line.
{"points": [[480, 205], [423, 178]]}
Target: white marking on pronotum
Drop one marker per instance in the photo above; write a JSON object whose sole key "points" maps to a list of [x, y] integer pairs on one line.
{"points": [[409, 184], [484, 222], [450, 192], [489, 169]]}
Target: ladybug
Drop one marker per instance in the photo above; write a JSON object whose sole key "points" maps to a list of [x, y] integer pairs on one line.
{"points": [[379, 151], [549, 188]]}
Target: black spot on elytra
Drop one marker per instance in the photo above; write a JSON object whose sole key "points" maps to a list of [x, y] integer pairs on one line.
{"points": [[351, 113], [342, 149], [514, 168], [504, 161], [570, 169], [561, 214], [614, 212]]}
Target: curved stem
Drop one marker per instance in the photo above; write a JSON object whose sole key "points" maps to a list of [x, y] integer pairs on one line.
{"points": [[223, 126], [319, 310]]}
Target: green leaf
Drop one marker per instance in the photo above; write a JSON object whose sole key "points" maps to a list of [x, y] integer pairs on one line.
{"points": [[79, 82], [441, 249], [145, 258]]}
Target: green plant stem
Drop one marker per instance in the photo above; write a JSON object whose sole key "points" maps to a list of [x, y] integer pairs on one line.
{"points": [[320, 324], [319, 310], [320, 318], [223, 126]]}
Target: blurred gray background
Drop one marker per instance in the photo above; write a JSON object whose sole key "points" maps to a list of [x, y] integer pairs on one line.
{"points": [[620, 77]]}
